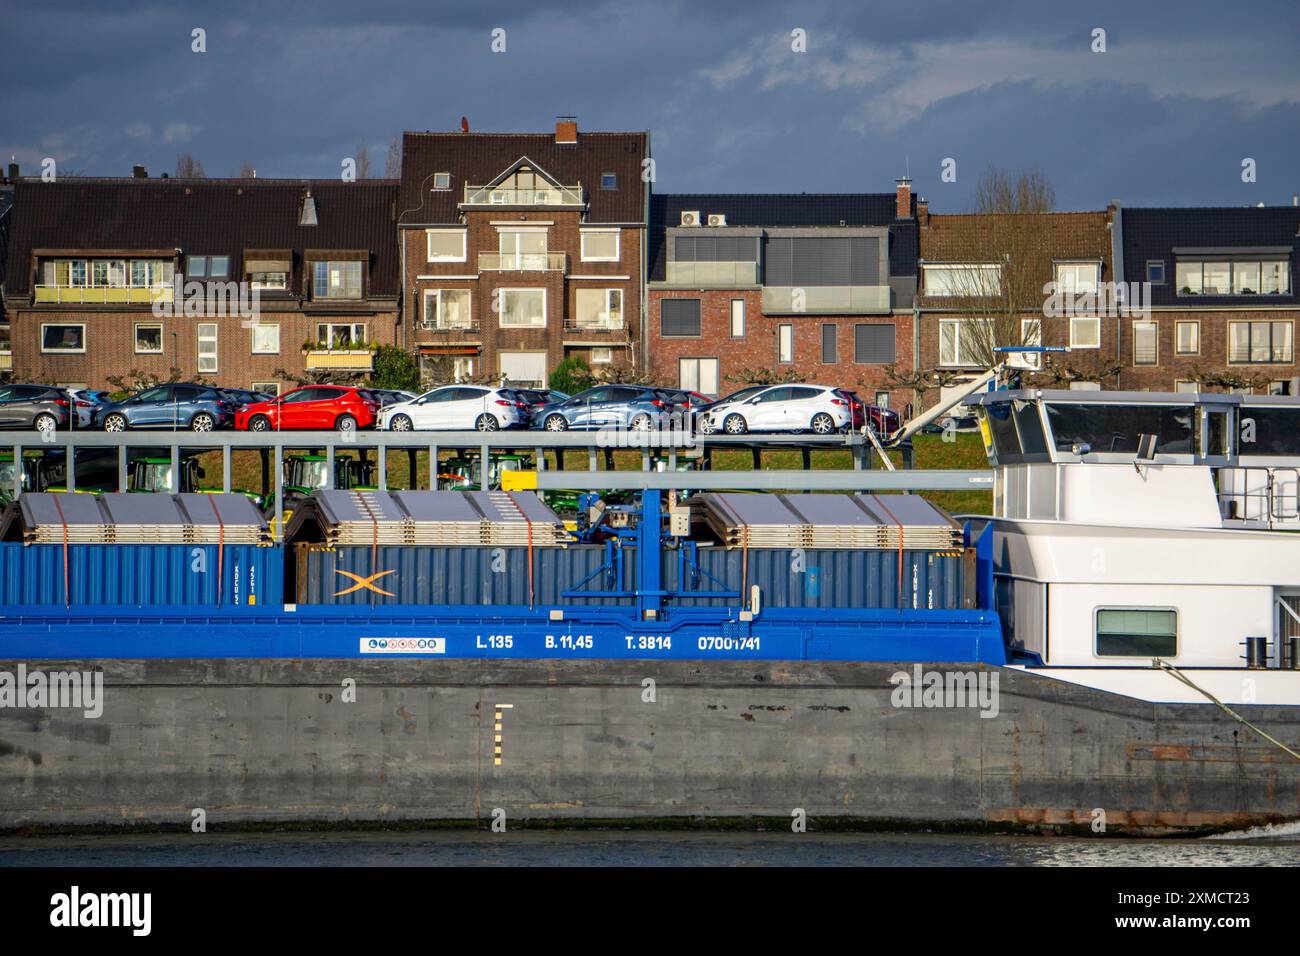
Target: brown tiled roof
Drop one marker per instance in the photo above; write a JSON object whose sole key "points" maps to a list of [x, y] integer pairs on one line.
{"points": [[479, 158], [204, 217], [1050, 236]]}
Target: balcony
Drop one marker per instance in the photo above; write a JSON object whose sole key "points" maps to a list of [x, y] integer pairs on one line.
{"points": [[725, 275], [340, 360], [101, 295], [826, 299], [523, 262], [495, 196], [465, 326], [604, 323]]}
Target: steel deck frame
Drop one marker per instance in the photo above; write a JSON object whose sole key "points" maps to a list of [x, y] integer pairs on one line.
{"points": [[670, 443]]}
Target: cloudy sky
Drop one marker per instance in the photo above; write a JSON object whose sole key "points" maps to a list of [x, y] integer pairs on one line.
{"points": [[1165, 116]]}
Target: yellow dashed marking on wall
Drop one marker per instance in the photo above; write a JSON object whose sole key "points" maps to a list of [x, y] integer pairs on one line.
{"points": [[498, 718]]}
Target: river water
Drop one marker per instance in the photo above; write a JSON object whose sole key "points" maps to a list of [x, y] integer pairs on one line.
{"points": [[623, 848]]}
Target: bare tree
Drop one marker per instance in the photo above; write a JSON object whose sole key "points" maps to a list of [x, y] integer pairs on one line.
{"points": [[187, 167], [393, 164], [246, 171], [363, 162], [1000, 192]]}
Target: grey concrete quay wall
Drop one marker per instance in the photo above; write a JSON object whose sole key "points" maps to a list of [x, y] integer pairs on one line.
{"points": [[254, 742]]}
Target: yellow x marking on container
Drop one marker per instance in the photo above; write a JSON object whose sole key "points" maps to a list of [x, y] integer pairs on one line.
{"points": [[368, 582]]}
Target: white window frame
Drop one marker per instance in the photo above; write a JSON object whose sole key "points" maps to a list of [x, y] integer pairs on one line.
{"points": [[1185, 381], [47, 325], [602, 355], [1096, 622], [608, 310], [462, 367], [269, 285], [352, 329], [737, 315], [1067, 276], [785, 344], [252, 332], [1034, 359], [1155, 329], [441, 182], [695, 363], [618, 244], [431, 322], [136, 334], [1195, 326], [270, 388], [201, 338], [1095, 321], [963, 358], [1164, 272], [530, 291], [428, 244], [976, 290]]}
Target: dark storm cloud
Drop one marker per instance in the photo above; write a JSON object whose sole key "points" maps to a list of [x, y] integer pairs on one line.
{"points": [[1182, 95]]}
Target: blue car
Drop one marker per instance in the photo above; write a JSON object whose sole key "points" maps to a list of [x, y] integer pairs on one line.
{"points": [[199, 408], [637, 407]]}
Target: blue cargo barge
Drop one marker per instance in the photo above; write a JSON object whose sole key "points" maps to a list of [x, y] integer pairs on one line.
{"points": [[641, 592]]}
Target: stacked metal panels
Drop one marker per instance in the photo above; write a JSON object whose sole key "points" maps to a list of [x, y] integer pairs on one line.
{"points": [[56, 517], [853, 522], [431, 518]]}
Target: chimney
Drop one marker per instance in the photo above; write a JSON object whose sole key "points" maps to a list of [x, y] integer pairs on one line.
{"points": [[13, 172], [903, 198], [566, 130], [308, 215], [139, 172], [923, 211]]}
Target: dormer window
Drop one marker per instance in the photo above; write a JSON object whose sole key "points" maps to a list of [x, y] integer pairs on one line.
{"points": [[442, 180], [1077, 277]]}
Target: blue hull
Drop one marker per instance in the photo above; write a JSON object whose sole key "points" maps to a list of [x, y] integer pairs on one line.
{"points": [[504, 632]]}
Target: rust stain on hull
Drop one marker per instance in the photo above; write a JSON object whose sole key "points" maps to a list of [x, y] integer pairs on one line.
{"points": [[1158, 819], [1205, 753]]}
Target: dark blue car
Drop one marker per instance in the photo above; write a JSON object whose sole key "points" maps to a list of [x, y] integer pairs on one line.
{"points": [[638, 407], [199, 408]]}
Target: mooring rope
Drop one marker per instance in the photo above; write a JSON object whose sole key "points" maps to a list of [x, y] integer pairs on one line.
{"points": [[1178, 675]]}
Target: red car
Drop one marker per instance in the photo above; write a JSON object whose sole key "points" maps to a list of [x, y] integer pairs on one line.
{"points": [[313, 406], [884, 421]]}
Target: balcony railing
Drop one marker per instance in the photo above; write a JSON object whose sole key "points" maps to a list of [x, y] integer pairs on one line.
{"points": [[494, 196], [826, 299], [346, 360], [444, 325], [604, 323], [102, 295], [725, 274], [522, 262]]}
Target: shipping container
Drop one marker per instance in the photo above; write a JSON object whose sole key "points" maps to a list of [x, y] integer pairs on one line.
{"points": [[816, 578], [140, 574], [412, 574]]}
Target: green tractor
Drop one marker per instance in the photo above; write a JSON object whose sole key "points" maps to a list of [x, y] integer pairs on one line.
{"points": [[463, 474], [307, 474], [155, 474], [36, 475]]}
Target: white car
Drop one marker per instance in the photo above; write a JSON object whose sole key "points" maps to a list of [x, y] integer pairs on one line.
{"points": [[453, 407], [783, 408]]}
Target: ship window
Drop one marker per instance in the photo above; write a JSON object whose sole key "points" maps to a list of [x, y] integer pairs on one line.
{"points": [[1269, 431], [1137, 632], [1003, 430], [1030, 426], [1115, 428]]}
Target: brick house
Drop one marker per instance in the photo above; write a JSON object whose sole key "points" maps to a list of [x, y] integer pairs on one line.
{"points": [[993, 269], [89, 258], [1223, 298], [519, 250], [820, 285]]}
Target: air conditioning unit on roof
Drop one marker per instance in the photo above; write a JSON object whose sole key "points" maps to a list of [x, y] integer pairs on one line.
{"points": [[691, 218], [717, 219]]}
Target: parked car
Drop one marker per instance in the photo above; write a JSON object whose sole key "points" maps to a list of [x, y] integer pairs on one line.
{"points": [[702, 421], [883, 421], [342, 407], [245, 396], [784, 408], [456, 407], [535, 398], [86, 400], [624, 406], [200, 408], [42, 407], [390, 396], [688, 404]]}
